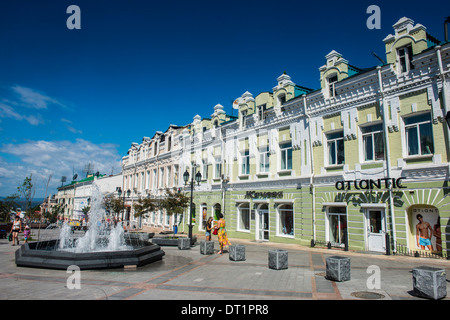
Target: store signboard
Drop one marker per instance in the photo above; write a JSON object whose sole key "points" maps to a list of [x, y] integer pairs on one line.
{"points": [[369, 184]]}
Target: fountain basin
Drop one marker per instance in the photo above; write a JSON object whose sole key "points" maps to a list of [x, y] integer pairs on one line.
{"points": [[44, 254]]}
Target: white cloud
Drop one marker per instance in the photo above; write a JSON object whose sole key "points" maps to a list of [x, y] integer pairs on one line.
{"points": [[7, 111], [34, 99], [58, 158]]}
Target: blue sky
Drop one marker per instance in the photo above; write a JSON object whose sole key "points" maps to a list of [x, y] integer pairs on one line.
{"points": [[70, 97]]}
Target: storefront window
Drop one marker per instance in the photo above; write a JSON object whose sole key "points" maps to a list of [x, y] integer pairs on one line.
{"points": [[286, 220], [244, 216], [337, 221]]}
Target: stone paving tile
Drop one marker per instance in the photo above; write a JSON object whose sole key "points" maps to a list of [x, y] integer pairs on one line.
{"points": [[186, 274]]}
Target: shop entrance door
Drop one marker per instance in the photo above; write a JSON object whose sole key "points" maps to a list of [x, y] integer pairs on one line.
{"points": [[376, 239], [263, 223]]}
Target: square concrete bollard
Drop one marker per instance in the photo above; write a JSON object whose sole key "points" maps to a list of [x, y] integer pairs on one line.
{"points": [[429, 282], [278, 259], [338, 268], [184, 243], [206, 247], [237, 252]]}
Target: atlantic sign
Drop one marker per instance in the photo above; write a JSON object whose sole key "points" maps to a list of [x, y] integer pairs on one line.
{"points": [[369, 184]]}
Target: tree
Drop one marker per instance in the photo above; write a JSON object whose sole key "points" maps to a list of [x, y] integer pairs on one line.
{"points": [[7, 205], [113, 205], [27, 190], [175, 202], [54, 212], [143, 206]]}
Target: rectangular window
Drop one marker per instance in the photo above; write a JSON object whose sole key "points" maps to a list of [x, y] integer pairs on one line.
{"points": [[419, 135], [286, 220], [264, 160], [331, 85], [335, 143], [373, 143], [286, 156], [261, 112], [244, 217], [405, 59], [217, 169], [337, 225], [245, 165], [205, 170]]}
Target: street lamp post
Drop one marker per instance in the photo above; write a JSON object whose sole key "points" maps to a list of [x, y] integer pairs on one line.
{"points": [[119, 192], [198, 178]]}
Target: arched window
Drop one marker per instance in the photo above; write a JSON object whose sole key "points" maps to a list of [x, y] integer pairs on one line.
{"points": [[204, 209]]}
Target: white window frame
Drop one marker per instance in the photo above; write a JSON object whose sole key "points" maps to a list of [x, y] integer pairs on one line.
{"points": [[279, 223], [405, 52], [204, 170], [328, 151], [284, 152], [331, 85], [262, 112], [372, 135], [217, 164], [263, 160], [244, 167], [240, 209], [417, 125]]}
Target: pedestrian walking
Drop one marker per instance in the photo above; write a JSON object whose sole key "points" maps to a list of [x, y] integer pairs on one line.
{"points": [[16, 228], [222, 233], [26, 233], [209, 228]]}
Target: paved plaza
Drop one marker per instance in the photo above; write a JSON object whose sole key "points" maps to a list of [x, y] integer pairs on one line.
{"points": [[189, 275]]}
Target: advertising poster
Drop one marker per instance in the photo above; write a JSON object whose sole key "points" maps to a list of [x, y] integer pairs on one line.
{"points": [[426, 229]]}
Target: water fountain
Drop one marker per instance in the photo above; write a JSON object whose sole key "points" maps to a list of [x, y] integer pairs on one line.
{"points": [[102, 246]]}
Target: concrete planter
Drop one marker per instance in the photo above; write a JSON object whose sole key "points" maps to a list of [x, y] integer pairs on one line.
{"points": [[338, 268], [206, 247], [278, 259], [429, 282], [237, 252], [184, 243]]}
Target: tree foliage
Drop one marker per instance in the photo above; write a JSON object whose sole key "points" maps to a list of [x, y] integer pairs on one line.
{"points": [[27, 190], [7, 205], [175, 202], [113, 205], [144, 205]]}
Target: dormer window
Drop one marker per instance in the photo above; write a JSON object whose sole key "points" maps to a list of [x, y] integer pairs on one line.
{"points": [[243, 115], [281, 99], [405, 59], [331, 85], [261, 112], [169, 143]]}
